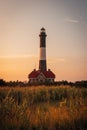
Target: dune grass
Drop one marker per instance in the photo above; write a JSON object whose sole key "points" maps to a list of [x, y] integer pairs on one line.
{"points": [[43, 108]]}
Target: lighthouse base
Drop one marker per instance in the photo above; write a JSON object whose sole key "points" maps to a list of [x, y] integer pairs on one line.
{"points": [[41, 77]]}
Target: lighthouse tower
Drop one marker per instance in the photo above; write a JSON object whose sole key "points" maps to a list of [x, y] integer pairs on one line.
{"points": [[42, 75], [42, 60]]}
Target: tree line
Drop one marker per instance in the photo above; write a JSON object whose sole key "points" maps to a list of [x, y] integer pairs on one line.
{"points": [[4, 83]]}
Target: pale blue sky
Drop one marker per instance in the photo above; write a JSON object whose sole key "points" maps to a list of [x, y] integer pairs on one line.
{"points": [[66, 27]]}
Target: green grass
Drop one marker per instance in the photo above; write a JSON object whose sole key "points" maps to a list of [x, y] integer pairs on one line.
{"points": [[43, 108]]}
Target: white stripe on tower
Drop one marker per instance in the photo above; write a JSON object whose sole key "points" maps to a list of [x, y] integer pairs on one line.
{"points": [[42, 53]]}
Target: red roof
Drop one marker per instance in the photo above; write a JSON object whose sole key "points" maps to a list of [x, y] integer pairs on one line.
{"points": [[47, 74]]}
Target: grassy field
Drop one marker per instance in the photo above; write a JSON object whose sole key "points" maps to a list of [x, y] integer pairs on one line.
{"points": [[43, 108]]}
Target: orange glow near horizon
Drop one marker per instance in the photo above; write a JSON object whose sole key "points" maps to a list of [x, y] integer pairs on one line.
{"points": [[18, 68]]}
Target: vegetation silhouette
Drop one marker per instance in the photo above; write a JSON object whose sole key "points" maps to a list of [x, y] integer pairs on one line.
{"points": [[4, 83]]}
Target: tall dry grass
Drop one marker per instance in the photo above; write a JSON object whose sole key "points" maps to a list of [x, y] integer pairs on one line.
{"points": [[43, 108]]}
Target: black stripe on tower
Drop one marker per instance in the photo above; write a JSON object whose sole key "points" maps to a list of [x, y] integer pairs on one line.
{"points": [[42, 65], [43, 38]]}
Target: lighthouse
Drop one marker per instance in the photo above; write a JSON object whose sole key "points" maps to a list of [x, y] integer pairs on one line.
{"points": [[42, 75], [42, 60]]}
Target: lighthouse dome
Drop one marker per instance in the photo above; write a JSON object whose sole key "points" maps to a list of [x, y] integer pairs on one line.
{"points": [[42, 32], [42, 29]]}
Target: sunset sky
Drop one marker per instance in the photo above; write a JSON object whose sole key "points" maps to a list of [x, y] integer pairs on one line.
{"points": [[65, 22]]}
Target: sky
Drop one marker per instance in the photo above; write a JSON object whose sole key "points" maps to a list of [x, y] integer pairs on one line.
{"points": [[65, 22]]}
